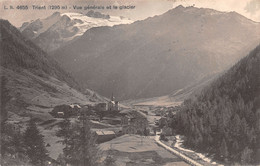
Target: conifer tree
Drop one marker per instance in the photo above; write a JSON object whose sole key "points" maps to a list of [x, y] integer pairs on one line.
{"points": [[17, 145], [81, 149], [5, 139], [4, 98], [65, 131], [246, 155], [34, 144], [223, 151]]}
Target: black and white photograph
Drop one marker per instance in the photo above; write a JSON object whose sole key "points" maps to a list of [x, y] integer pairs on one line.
{"points": [[129, 82]]}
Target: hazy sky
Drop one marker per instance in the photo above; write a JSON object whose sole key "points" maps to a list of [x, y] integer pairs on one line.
{"points": [[143, 8], [248, 8]]}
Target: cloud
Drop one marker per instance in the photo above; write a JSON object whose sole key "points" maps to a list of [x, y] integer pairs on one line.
{"points": [[253, 8]]}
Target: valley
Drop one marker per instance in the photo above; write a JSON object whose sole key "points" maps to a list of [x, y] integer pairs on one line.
{"points": [[93, 89]]}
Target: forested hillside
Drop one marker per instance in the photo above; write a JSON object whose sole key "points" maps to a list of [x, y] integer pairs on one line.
{"points": [[224, 119]]}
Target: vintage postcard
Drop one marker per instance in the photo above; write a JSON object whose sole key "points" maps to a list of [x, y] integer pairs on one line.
{"points": [[129, 82]]}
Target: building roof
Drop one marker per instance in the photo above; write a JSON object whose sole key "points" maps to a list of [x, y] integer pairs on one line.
{"points": [[105, 132], [108, 132], [113, 102], [99, 133], [75, 105]]}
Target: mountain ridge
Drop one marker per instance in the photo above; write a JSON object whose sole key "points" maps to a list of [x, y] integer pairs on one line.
{"points": [[159, 54], [34, 80], [37, 58], [61, 28]]}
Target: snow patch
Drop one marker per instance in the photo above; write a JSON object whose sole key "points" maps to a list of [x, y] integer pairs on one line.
{"points": [[90, 22]]}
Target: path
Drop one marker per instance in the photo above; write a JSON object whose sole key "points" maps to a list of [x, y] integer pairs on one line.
{"points": [[187, 159]]}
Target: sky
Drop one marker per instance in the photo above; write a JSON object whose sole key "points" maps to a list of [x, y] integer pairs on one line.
{"points": [[248, 8], [142, 10]]}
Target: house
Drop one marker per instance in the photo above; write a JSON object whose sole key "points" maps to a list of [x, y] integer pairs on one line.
{"points": [[60, 114], [76, 106], [116, 105], [134, 123], [125, 120], [104, 136], [65, 110]]}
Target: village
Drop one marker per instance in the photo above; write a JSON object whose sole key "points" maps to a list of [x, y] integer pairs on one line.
{"points": [[110, 119], [142, 131]]}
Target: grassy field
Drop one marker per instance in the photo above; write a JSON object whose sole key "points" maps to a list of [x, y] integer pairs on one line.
{"points": [[130, 150]]}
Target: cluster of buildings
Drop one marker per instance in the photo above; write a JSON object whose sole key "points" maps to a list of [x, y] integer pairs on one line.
{"points": [[111, 105], [134, 123], [64, 110]]}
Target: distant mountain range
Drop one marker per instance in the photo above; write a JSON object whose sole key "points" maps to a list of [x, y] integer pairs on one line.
{"points": [[58, 29], [33, 79], [159, 55]]}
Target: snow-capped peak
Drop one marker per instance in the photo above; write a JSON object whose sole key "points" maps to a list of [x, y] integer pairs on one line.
{"points": [[54, 31], [87, 22]]}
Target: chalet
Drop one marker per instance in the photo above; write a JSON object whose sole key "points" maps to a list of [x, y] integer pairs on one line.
{"points": [[62, 111], [125, 120], [60, 114], [104, 136]]}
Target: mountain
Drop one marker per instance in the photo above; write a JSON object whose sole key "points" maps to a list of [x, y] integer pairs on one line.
{"points": [[159, 55], [224, 119], [31, 80], [58, 29]]}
